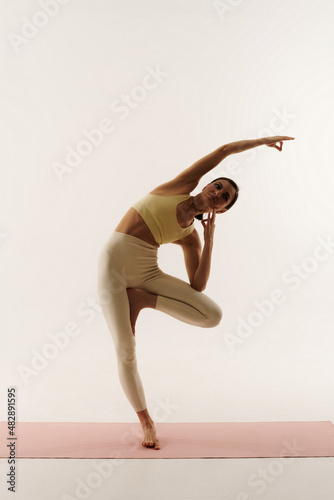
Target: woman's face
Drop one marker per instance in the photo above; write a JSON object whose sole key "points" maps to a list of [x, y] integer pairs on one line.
{"points": [[218, 195]]}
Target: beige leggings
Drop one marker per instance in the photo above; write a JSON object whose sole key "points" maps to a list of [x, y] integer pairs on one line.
{"points": [[129, 262]]}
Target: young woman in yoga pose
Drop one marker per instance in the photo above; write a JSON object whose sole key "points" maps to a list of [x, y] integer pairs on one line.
{"points": [[129, 278]]}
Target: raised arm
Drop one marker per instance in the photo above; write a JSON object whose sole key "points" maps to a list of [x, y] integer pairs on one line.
{"points": [[188, 179], [240, 146], [208, 162]]}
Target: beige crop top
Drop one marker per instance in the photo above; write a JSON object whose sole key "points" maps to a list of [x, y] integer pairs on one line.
{"points": [[159, 213]]}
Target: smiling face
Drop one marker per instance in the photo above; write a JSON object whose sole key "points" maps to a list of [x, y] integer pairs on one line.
{"points": [[218, 195]]}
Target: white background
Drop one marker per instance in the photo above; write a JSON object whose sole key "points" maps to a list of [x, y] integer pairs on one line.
{"points": [[253, 69], [232, 70]]}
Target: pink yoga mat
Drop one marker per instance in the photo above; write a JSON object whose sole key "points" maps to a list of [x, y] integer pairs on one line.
{"points": [[177, 440]]}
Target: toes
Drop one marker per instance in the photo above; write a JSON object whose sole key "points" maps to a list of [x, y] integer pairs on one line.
{"points": [[152, 442], [148, 443]]}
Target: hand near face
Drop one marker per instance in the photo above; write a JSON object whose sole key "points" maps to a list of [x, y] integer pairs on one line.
{"points": [[209, 226]]}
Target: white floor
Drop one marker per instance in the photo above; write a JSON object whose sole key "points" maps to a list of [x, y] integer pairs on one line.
{"points": [[209, 479]]}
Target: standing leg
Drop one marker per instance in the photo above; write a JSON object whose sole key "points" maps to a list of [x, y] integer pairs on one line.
{"points": [[113, 299], [115, 308]]}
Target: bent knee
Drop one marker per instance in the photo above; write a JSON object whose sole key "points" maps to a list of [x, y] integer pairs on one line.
{"points": [[214, 317]]}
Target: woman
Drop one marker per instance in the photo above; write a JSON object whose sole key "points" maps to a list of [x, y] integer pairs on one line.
{"points": [[129, 278]]}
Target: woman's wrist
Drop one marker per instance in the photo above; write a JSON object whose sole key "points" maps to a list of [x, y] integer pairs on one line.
{"points": [[240, 146], [208, 244]]}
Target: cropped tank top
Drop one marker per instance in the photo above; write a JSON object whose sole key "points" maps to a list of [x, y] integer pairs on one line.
{"points": [[159, 213]]}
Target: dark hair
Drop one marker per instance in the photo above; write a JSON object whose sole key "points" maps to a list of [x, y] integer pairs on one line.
{"points": [[236, 187]]}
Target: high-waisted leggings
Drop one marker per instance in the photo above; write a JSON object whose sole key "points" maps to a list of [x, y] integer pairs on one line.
{"points": [[129, 262]]}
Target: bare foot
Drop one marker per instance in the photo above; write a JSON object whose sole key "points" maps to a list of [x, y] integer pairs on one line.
{"points": [[150, 437], [138, 299]]}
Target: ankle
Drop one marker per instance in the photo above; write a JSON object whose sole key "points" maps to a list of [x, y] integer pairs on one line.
{"points": [[148, 425], [145, 419]]}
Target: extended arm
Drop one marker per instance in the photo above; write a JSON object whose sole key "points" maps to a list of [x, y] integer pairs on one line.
{"points": [[208, 162], [240, 146], [189, 178]]}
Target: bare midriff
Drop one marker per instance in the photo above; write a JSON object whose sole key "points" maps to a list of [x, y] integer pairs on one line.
{"points": [[132, 223]]}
